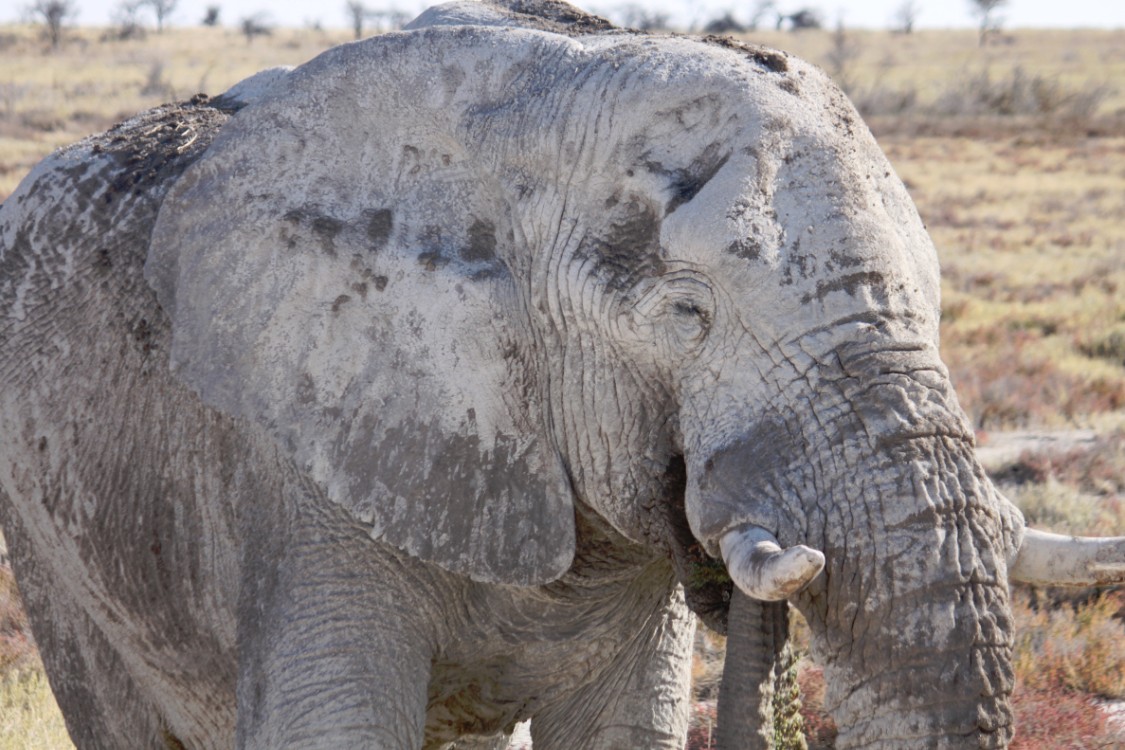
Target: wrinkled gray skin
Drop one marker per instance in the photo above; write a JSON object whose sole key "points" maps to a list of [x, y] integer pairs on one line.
{"points": [[370, 405]]}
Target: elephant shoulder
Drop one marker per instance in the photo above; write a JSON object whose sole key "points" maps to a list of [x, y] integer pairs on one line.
{"points": [[91, 206]]}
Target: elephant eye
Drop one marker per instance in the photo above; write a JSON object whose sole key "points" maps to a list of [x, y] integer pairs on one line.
{"points": [[690, 321], [678, 309]]}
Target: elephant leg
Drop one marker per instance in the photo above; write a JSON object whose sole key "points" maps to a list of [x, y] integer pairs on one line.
{"points": [[640, 701], [86, 673], [332, 651]]}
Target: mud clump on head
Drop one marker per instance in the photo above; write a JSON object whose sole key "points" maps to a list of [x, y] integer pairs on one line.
{"points": [[772, 60], [553, 15]]}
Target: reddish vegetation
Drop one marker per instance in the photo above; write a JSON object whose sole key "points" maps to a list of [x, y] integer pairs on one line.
{"points": [[1002, 380], [820, 730], [16, 646], [1047, 717], [702, 729], [1059, 719]]}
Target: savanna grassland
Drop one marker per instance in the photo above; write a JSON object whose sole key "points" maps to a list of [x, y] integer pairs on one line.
{"points": [[1015, 155]]}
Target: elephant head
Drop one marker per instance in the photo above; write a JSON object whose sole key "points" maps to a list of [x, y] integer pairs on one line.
{"points": [[470, 277]]}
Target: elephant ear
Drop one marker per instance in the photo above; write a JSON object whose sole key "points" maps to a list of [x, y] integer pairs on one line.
{"points": [[338, 269]]}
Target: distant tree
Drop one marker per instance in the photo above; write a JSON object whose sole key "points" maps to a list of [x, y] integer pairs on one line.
{"points": [[905, 16], [161, 9], [126, 22], [805, 18], [762, 8], [211, 17], [724, 24], [985, 11], [635, 16], [54, 14], [390, 19], [357, 14], [255, 25]]}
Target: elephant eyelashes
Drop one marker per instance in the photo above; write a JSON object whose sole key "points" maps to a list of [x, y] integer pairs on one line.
{"points": [[690, 309], [691, 320]]}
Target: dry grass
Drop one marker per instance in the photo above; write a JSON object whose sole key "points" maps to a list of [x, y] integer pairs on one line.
{"points": [[1031, 237], [1039, 76], [29, 717], [1080, 650], [49, 99]]}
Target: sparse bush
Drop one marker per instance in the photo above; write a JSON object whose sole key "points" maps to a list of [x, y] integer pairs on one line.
{"points": [[357, 12], [884, 100], [211, 16], [255, 25], [1109, 345], [17, 650], [762, 8], [1018, 94], [724, 24]]}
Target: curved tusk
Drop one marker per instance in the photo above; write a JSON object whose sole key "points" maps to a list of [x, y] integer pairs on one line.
{"points": [[761, 568], [1057, 560]]}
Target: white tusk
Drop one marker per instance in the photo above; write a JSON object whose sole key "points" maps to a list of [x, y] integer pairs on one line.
{"points": [[1057, 560], [763, 570]]}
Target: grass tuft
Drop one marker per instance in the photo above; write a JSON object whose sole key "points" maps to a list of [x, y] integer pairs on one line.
{"points": [[29, 717]]}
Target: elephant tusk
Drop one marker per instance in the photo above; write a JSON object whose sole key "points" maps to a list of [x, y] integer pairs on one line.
{"points": [[1058, 560], [762, 569]]}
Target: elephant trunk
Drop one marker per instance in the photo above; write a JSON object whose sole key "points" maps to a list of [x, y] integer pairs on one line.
{"points": [[910, 616], [914, 626], [757, 632]]}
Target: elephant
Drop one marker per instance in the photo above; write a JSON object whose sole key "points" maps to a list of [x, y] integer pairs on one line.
{"points": [[433, 385]]}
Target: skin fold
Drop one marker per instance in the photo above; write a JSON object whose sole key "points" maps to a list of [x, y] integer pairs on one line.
{"points": [[415, 392]]}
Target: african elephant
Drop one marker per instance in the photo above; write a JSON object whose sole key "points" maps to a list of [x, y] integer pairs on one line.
{"points": [[398, 398]]}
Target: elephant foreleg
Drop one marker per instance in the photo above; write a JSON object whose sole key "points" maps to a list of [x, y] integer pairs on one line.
{"points": [[333, 652], [638, 701]]}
